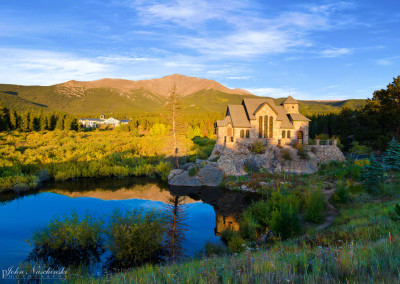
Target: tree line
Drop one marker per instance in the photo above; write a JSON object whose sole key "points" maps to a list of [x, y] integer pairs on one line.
{"points": [[33, 121], [373, 125]]}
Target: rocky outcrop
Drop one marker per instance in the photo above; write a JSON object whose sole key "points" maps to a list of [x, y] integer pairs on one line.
{"points": [[327, 153], [241, 160], [200, 173]]}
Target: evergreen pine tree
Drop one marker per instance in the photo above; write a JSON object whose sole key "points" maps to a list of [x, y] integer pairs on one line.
{"points": [[31, 124], [391, 157], [60, 122], [4, 121], [43, 122], [372, 175], [13, 120], [24, 126]]}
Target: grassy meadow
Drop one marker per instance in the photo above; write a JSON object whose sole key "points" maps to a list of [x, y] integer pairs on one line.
{"points": [[29, 158], [361, 245]]}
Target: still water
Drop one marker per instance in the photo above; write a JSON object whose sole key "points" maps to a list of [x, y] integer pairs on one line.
{"points": [[209, 210]]}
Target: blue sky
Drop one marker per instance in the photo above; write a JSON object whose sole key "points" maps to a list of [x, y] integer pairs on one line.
{"points": [[310, 49]]}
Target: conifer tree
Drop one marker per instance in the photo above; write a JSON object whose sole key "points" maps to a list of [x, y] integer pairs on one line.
{"points": [[372, 175], [43, 122], [60, 122], [392, 155], [31, 123], [13, 120], [3, 118], [25, 118]]}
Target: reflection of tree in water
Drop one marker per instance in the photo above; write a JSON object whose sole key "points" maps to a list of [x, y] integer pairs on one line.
{"points": [[176, 226]]}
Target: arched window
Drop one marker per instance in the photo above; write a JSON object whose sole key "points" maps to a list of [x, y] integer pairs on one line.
{"points": [[271, 127], [288, 134], [265, 126], [229, 131], [247, 133], [241, 133], [260, 127], [283, 134]]}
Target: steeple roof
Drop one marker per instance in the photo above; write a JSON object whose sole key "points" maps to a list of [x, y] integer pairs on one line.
{"points": [[289, 100]]}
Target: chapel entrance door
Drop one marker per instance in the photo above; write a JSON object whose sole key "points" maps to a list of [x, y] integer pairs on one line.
{"points": [[300, 137]]}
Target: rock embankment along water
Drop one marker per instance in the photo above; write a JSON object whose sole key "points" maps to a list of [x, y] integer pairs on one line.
{"points": [[200, 173], [241, 160]]}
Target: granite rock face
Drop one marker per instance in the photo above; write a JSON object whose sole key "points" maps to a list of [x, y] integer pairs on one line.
{"points": [[238, 161], [207, 174], [241, 160], [210, 175], [183, 179]]}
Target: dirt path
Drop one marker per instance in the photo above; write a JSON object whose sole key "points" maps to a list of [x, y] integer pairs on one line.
{"points": [[331, 212]]}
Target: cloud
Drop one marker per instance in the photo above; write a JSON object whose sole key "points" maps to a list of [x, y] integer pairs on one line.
{"points": [[242, 30], [239, 77], [335, 52], [186, 13], [27, 66], [387, 61], [116, 59]]}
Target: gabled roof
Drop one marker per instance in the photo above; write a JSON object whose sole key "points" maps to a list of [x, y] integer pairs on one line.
{"points": [[238, 116], [298, 117], [289, 100], [252, 105], [225, 121]]}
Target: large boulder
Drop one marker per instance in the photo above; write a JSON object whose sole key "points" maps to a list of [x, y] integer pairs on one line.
{"points": [[209, 175], [183, 179]]}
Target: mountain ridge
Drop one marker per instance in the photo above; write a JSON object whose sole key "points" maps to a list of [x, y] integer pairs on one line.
{"points": [[185, 85], [148, 96]]}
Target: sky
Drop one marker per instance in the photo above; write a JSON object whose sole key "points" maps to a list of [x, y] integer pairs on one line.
{"points": [[317, 50]]}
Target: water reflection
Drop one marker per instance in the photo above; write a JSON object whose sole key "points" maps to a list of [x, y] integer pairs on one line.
{"points": [[189, 222]]}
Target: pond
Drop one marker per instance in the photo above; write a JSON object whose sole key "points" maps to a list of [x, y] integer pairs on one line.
{"points": [[208, 210]]}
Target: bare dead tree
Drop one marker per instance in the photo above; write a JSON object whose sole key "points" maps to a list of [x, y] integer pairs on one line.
{"points": [[175, 108], [175, 216]]}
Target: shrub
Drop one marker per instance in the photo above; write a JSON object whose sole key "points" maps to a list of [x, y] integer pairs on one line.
{"points": [[372, 175], [134, 237], [395, 214], [314, 206], [248, 229], [341, 194], [211, 249], [257, 147], [227, 235], [358, 149], [163, 169], [285, 221], [286, 155], [260, 212], [193, 171], [68, 242], [237, 244], [302, 153]]}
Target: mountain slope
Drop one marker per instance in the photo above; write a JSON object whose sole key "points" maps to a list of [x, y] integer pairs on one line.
{"points": [[125, 96]]}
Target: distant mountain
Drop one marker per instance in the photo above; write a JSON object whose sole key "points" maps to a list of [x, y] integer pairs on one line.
{"points": [[126, 96]]}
